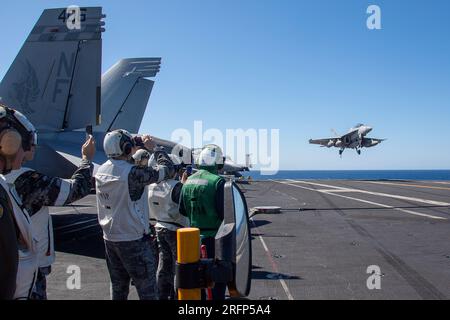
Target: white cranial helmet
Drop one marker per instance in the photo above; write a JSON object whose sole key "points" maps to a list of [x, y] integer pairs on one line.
{"points": [[210, 156], [140, 155], [117, 143]]}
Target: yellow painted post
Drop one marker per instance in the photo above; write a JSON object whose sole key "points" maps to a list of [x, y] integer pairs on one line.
{"points": [[188, 251]]}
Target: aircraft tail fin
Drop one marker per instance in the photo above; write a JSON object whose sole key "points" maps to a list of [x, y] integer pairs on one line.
{"points": [[335, 132], [55, 78], [125, 93]]}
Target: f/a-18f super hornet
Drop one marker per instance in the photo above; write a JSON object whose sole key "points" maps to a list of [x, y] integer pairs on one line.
{"points": [[354, 139]]}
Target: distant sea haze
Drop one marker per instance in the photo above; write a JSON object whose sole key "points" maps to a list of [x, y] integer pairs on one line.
{"points": [[438, 175]]}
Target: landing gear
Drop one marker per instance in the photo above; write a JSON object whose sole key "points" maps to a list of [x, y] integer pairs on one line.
{"points": [[340, 152], [358, 151]]}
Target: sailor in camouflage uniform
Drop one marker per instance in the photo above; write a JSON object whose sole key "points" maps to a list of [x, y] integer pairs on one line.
{"points": [[141, 158], [37, 192], [33, 192], [163, 203], [120, 186]]}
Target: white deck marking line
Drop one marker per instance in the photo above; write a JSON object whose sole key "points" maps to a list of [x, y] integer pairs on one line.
{"points": [[79, 229], [431, 202], [285, 194], [438, 182], [65, 210], [336, 190], [405, 185], [76, 223], [368, 202], [274, 265]]}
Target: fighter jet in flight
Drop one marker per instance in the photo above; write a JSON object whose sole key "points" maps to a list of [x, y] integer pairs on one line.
{"points": [[354, 139]]}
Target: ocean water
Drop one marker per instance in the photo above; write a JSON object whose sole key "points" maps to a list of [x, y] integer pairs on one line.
{"points": [[440, 175]]}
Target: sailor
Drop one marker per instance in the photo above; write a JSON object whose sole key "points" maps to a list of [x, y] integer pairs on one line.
{"points": [[122, 215], [13, 134], [9, 254], [33, 193], [202, 201], [141, 158], [163, 203]]}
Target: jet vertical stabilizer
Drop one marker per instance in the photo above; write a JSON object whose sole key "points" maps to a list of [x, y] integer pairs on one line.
{"points": [[55, 78], [125, 93]]}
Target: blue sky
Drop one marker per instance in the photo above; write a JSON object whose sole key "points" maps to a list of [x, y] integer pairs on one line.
{"points": [[303, 67]]}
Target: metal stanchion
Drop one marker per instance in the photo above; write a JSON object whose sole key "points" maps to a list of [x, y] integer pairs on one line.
{"points": [[188, 251]]}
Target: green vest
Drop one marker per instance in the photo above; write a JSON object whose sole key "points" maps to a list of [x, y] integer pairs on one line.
{"points": [[199, 198]]}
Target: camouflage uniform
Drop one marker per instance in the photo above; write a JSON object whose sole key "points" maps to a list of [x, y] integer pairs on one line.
{"points": [[140, 177], [136, 260], [37, 190], [40, 286], [132, 260], [167, 246], [154, 243]]}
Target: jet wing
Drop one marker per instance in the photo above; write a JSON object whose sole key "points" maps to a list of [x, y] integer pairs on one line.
{"points": [[322, 142], [371, 142]]}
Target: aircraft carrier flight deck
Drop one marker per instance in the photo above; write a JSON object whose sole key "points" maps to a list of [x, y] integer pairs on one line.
{"points": [[332, 239]]}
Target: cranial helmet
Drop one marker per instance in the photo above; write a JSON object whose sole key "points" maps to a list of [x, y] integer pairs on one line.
{"points": [[15, 131], [118, 143], [211, 156], [140, 155]]}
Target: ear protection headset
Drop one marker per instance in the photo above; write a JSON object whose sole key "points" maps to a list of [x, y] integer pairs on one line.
{"points": [[118, 143], [10, 141], [221, 165], [126, 143], [16, 132]]}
